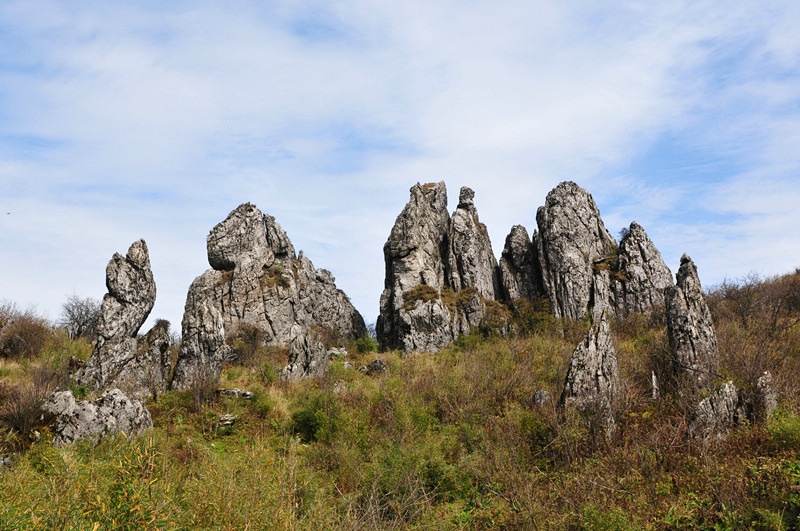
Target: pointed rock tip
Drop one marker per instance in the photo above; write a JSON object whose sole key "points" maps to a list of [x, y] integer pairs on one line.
{"points": [[466, 198]]}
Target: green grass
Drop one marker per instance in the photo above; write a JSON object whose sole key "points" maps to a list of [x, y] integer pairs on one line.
{"points": [[442, 441]]}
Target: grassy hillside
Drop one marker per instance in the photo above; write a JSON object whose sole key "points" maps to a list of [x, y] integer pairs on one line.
{"points": [[444, 441]]}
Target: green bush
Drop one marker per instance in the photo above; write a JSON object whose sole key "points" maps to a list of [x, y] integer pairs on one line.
{"points": [[316, 416]]}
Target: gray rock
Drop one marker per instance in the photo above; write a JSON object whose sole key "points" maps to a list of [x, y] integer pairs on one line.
{"points": [[472, 262], [641, 276], [716, 415], [440, 271], [235, 392], [592, 378], [540, 398], [138, 366], [692, 340], [728, 408], [307, 358], [412, 315], [571, 239], [257, 280], [765, 399], [519, 274], [227, 420], [377, 367], [110, 414]]}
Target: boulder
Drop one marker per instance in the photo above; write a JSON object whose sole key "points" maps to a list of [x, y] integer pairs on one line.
{"points": [[307, 358], [258, 281], [110, 414], [592, 378], [728, 408], [692, 339], [138, 366]]}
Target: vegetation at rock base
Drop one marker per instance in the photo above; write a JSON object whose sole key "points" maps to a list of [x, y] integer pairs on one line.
{"points": [[441, 441]]}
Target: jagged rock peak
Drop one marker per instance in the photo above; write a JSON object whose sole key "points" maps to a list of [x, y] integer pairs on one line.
{"points": [[642, 275], [412, 314], [119, 358], [692, 339], [570, 239], [431, 256], [592, 378], [519, 274], [258, 283], [473, 264]]}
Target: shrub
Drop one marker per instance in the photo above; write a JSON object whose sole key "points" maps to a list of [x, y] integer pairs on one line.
{"points": [[366, 344], [22, 334], [316, 416], [422, 293]]}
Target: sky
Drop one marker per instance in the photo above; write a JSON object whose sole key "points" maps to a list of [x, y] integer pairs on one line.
{"points": [[149, 119]]}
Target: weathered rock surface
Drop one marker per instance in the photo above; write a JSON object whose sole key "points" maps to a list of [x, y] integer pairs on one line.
{"points": [[257, 280], [138, 366], [592, 378], [412, 314], [110, 414], [642, 275], [692, 339], [472, 262], [439, 272], [570, 239], [519, 273], [307, 358], [728, 408]]}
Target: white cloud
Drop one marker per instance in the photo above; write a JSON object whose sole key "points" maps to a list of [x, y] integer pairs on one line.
{"points": [[156, 120]]}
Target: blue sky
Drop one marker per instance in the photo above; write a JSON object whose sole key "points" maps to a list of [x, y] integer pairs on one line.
{"points": [[127, 120]]}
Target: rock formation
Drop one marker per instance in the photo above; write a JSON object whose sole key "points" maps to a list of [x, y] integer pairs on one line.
{"points": [[642, 275], [472, 261], [519, 268], [139, 366], [257, 280], [576, 264], [570, 240], [692, 340], [728, 408], [110, 414], [593, 377], [439, 272]]}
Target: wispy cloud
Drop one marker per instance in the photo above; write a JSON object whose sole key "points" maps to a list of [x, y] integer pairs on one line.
{"points": [[154, 120]]}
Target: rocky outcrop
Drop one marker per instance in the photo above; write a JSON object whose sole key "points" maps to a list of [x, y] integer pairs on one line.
{"points": [[412, 314], [571, 239], [257, 280], [139, 366], [472, 262], [728, 408], [592, 378], [439, 272], [576, 263], [641, 274], [519, 274], [110, 414], [307, 357], [692, 340]]}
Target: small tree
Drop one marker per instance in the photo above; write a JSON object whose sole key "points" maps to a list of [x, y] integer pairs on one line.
{"points": [[80, 317]]}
